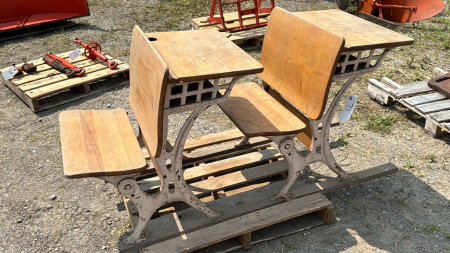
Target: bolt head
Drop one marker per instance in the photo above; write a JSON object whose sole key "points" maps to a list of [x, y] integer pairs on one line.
{"points": [[287, 146]]}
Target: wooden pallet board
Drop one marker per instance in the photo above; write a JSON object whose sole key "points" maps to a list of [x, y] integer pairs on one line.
{"points": [[47, 87], [418, 97], [243, 225], [247, 39], [254, 199]]}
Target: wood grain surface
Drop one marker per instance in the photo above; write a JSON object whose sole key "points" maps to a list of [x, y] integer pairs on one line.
{"points": [[256, 113], [148, 85], [358, 33], [202, 54], [299, 60], [99, 143]]}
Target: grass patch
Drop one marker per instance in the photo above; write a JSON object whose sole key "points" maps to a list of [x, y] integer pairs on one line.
{"points": [[380, 123], [431, 229]]}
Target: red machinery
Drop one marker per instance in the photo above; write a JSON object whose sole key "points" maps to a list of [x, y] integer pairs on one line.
{"points": [[256, 10], [62, 65], [93, 51], [15, 14], [402, 11]]}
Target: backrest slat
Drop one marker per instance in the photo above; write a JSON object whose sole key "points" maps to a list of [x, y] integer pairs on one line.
{"points": [[299, 60], [148, 85]]}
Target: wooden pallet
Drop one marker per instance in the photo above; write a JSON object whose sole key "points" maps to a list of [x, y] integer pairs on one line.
{"points": [[47, 87], [241, 185], [418, 97], [247, 39]]}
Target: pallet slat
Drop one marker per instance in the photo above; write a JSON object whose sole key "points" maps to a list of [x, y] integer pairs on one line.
{"points": [[47, 87], [90, 68], [244, 224], [47, 71], [423, 99], [221, 166], [165, 227], [434, 106], [440, 116], [411, 90], [46, 90]]}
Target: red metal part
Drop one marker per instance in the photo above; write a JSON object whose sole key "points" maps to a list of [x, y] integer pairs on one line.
{"points": [[93, 51], [15, 14], [256, 10], [402, 11], [78, 71]]}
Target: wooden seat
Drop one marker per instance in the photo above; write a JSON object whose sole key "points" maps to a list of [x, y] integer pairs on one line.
{"points": [[99, 143], [299, 60], [256, 113]]}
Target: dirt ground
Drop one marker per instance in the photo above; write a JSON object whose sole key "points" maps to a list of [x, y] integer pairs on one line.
{"points": [[41, 211]]}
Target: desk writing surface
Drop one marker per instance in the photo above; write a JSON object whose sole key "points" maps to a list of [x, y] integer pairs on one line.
{"points": [[359, 33], [202, 54]]}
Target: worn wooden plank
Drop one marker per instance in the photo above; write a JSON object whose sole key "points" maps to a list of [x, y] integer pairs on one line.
{"points": [[391, 83], [247, 34], [46, 71], [380, 85], [446, 126], [411, 90], [281, 229], [165, 228], [221, 166], [243, 224], [231, 23], [433, 129], [39, 61], [63, 98], [46, 90], [439, 72], [212, 139], [379, 95], [434, 106], [230, 17], [214, 153], [423, 99], [443, 116], [89, 66]]}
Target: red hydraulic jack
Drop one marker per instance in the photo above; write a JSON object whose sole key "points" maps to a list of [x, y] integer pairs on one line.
{"points": [[93, 51], [256, 10], [62, 65]]}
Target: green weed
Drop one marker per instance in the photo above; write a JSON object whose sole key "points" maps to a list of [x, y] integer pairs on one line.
{"points": [[380, 123]]}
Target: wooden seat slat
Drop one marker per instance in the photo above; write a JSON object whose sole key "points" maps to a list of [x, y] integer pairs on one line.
{"points": [[99, 143], [256, 113]]}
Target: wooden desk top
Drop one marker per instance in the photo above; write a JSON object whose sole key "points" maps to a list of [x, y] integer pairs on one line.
{"points": [[359, 33], [202, 54]]}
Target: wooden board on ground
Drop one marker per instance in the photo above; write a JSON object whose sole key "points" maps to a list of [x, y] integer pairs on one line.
{"points": [[419, 98], [243, 225], [47, 87], [189, 222]]}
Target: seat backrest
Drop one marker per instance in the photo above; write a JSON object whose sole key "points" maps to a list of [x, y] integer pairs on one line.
{"points": [[148, 85], [299, 60]]}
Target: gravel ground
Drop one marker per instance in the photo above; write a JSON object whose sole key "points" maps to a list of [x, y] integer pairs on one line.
{"points": [[41, 211]]}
